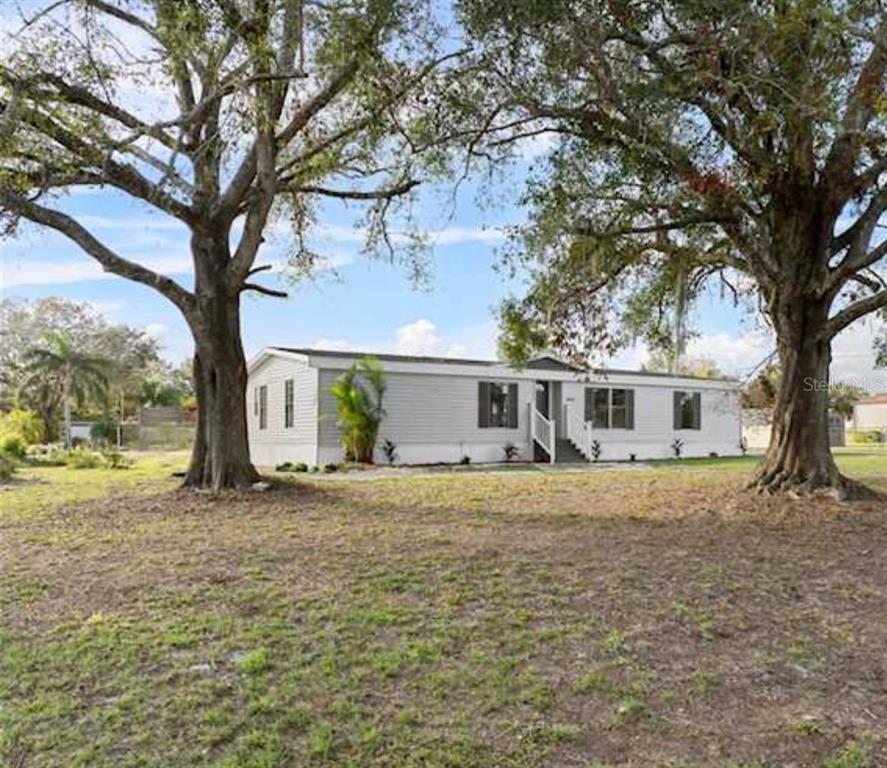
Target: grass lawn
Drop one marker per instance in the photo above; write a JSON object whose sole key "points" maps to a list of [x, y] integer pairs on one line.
{"points": [[656, 618]]}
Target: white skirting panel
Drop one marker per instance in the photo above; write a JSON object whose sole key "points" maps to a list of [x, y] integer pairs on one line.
{"points": [[436, 453], [272, 454]]}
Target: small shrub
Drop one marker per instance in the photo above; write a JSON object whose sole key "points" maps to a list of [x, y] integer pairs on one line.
{"points": [[116, 460], [8, 465], [712, 454], [632, 457], [596, 449], [83, 457], [330, 467], [13, 445], [593, 682], [300, 466], [286, 466], [255, 662], [466, 459], [677, 446], [511, 451], [390, 451], [52, 455], [864, 436], [853, 755]]}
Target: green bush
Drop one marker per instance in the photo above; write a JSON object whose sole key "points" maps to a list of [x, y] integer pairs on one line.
{"points": [[116, 460], [52, 455], [13, 445], [26, 425], [7, 467], [104, 431], [83, 457], [286, 466], [864, 436], [300, 466]]}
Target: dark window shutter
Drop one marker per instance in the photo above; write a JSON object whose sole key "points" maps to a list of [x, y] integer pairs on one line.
{"points": [[678, 399], [483, 404], [512, 406], [629, 409], [589, 404], [697, 410]]}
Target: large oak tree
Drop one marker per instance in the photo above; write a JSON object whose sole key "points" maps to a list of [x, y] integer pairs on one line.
{"points": [[277, 104], [700, 138]]}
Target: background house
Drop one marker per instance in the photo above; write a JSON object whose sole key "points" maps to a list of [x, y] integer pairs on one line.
{"points": [[870, 416]]}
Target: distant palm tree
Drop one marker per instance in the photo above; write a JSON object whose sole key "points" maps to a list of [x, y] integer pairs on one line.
{"points": [[73, 373]]}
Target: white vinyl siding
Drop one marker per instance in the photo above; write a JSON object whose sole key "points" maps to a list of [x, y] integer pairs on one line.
{"points": [[278, 442], [433, 412], [654, 430]]}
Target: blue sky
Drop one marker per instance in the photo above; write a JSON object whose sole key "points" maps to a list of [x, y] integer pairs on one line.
{"points": [[367, 304]]}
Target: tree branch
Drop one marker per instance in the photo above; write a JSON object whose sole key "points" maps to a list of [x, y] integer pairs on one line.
{"points": [[854, 311], [109, 260], [262, 289], [357, 194]]}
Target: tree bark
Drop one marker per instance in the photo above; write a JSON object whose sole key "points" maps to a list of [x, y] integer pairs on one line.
{"points": [[66, 404], [799, 458], [220, 456]]}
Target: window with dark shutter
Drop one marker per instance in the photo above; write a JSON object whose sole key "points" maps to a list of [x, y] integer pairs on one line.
{"points": [[483, 404]]}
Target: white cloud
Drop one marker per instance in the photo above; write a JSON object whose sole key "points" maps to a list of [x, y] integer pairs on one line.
{"points": [[453, 235], [418, 338], [42, 272], [422, 337], [156, 330], [735, 355], [130, 223]]}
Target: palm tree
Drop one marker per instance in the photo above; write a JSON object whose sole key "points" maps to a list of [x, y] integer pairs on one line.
{"points": [[360, 408], [61, 366]]}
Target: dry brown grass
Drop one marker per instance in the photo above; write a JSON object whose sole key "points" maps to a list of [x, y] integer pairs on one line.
{"points": [[658, 619]]}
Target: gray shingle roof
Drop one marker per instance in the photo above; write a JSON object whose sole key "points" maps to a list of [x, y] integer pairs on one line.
{"points": [[544, 363]]}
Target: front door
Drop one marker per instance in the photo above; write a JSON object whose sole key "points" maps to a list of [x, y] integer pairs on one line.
{"points": [[542, 398]]}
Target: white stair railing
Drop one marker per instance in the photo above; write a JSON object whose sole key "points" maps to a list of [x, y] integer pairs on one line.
{"points": [[578, 431], [542, 431]]}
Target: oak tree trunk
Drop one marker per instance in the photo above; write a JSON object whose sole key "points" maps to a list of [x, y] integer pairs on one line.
{"points": [[220, 456], [799, 458]]}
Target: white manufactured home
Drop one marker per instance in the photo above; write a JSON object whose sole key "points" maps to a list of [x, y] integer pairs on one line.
{"points": [[442, 410]]}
